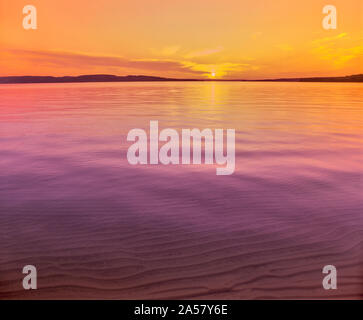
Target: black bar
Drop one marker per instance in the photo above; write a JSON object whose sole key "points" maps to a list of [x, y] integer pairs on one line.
{"points": [[183, 309]]}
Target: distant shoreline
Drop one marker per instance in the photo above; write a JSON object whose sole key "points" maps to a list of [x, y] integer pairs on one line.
{"points": [[140, 78]]}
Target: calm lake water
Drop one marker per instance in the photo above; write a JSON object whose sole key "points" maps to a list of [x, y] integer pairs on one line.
{"points": [[97, 227]]}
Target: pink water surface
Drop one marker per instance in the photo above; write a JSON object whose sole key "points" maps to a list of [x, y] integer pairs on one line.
{"points": [[97, 227]]}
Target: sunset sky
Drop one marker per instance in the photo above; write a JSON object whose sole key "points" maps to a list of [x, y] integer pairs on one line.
{"points": [[229, 39]]}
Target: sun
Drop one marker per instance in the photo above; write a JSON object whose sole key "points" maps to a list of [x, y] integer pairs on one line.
{"points": [[213, 74]]}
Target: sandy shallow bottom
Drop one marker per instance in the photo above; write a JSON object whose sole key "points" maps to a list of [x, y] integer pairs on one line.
{"points": [[106, 255]]}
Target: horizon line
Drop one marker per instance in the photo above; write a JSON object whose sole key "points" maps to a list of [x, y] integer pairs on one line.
{"points": [[140, 78]]}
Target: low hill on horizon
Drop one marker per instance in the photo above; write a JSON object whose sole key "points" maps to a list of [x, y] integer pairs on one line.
{"points": [[131, 78]]}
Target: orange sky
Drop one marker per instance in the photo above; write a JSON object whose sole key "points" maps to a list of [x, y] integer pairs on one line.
{"points": [[182, 38]]}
